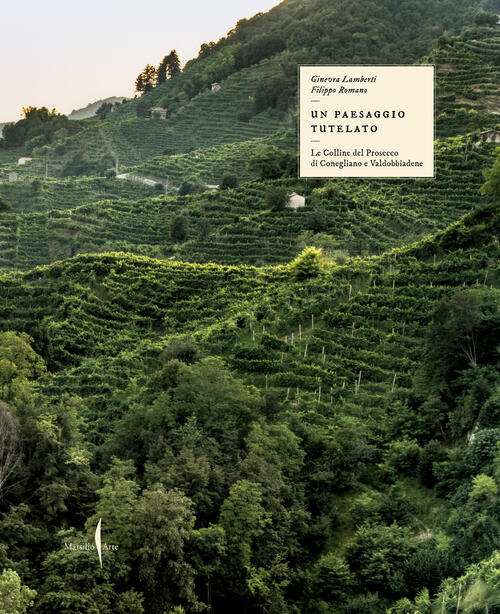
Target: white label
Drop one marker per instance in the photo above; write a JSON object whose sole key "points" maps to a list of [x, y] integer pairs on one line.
{"points": [[366, 121]]}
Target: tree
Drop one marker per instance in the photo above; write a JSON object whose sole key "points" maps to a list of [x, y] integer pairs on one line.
{"points": [[18, 364], [165, 522], [10, 444], [316, 220], [271, 162], [173, 64], [161, 73], [484, 18], [229, 180], [117, 506], [4, 204], [224, 407], [142, 110], [146, 79], [309, 263], [179, 228], [378, 554], [243, 519], [452, 336], [75, 583], [276, 197], [483, 487], [15, 597], [331, 579]]}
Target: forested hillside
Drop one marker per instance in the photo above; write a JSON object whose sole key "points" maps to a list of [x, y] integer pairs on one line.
{"points": [[261, 409]]}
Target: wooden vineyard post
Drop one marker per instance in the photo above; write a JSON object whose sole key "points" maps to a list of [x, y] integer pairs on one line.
{"points": [[292, 339], [300, 331], [393, 287], [287, 394], [394, 382], [305, 351], [312, 320], [459, 597], [319, 394], [350, 291], [324, 355]]}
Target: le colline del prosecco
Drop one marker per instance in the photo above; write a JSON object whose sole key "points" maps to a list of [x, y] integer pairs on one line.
{"points": [[321, 128]]}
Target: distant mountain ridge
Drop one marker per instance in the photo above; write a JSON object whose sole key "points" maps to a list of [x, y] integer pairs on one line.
{"points": [[91, 109]]}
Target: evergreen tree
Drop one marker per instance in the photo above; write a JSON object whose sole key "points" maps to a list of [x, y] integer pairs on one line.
{"points": [[146, 80], [173, 64], [161, 73]]}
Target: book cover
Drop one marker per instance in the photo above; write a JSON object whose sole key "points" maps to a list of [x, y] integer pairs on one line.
{"points": [[249, 291]]}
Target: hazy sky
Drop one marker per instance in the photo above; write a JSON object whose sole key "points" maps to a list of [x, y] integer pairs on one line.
{"points": [[67, 53]]}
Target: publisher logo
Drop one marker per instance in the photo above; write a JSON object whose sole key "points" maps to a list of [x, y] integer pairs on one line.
{"points": [[98, 540], [97, 545]]}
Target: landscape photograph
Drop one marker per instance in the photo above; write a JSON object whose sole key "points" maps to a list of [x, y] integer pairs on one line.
{"points": [[226, 388]]}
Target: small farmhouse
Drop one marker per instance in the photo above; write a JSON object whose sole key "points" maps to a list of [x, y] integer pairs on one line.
{"points": [[159, 113], [24, 160], [296, 201], [216, 87], [490, 136]]}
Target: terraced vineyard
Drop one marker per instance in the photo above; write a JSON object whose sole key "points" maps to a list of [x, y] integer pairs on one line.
{"points": [[235, 226], [208, 119], [210, 164], [36, 195], [468, 78], [272, 410], [348, 338]]}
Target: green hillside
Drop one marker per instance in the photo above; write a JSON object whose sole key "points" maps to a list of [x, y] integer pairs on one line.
{"points": [[34, 195], [238, 226], [211, 164], [334, 357], [264, 410], [256, 66], [468, 78]]}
